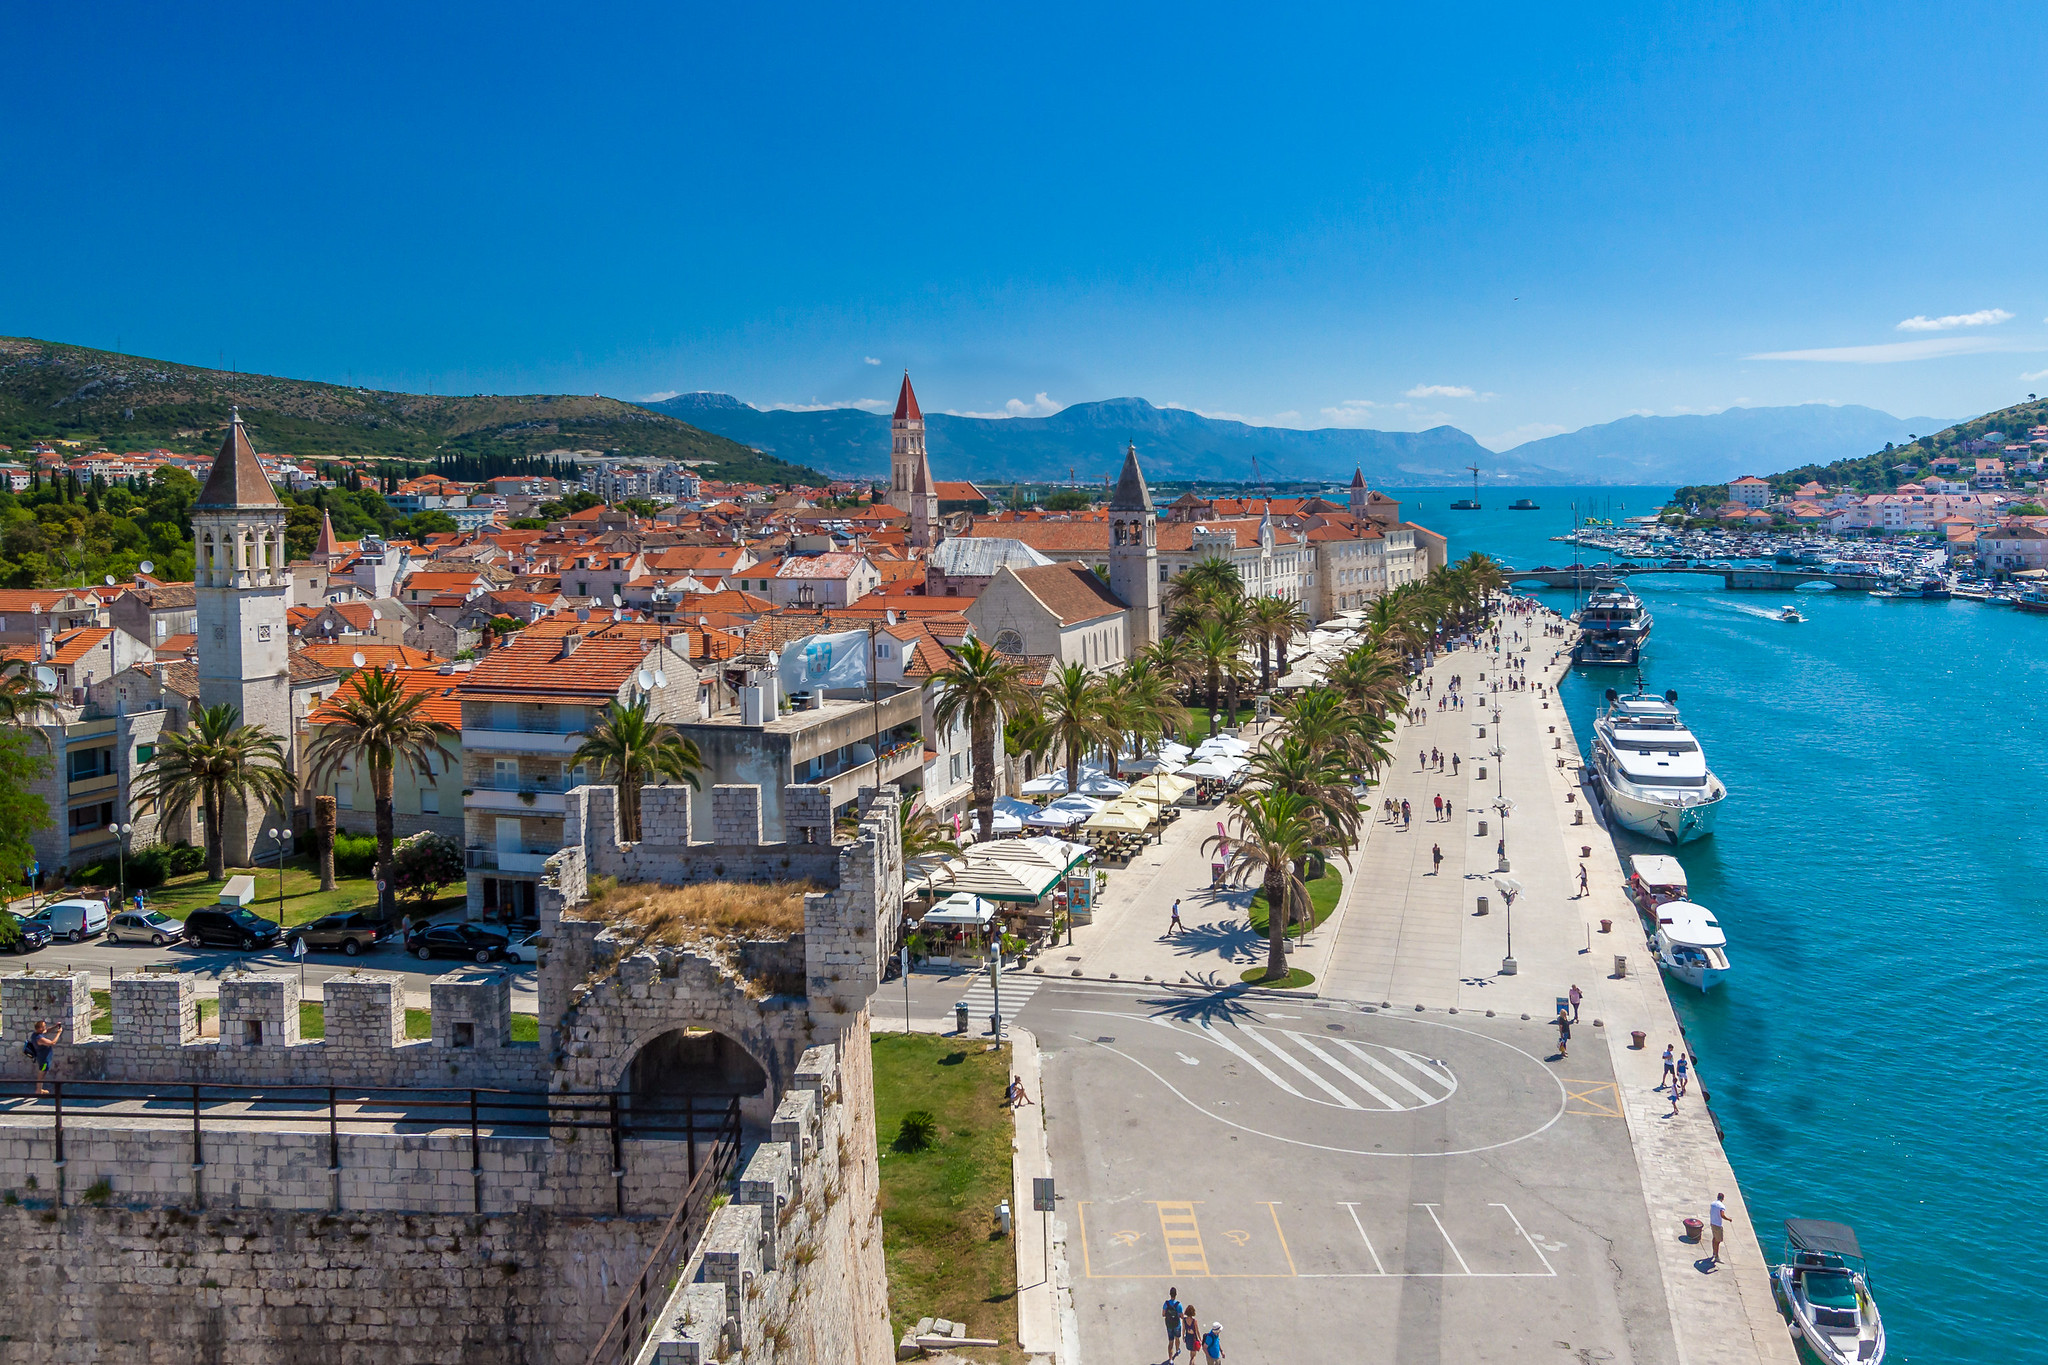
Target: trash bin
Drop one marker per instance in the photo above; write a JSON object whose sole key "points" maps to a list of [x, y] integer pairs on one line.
{"points": [[1620, 966], [1482, 823], [1482, 906], [1606, 926], [960, 1018], [1693, 1227]]}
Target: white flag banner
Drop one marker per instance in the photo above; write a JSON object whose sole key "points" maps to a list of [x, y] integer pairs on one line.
{"points": [[825, 661]]}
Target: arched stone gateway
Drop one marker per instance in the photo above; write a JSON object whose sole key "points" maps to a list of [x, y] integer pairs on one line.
{"points": [[687, 1064]]}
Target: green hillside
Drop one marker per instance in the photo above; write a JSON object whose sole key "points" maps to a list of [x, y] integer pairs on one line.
{"points": [[49, 390], [1885, 469]]}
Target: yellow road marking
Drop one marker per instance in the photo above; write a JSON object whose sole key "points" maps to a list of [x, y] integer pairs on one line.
{"points": [[1182, 1235], [1601, 1098], [1274, 1208], [1087, 1262]]}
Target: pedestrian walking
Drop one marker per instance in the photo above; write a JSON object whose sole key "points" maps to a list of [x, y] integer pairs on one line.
{"points": [[42, 1048], [1407, 813], [1670, 1076], [1212, 1343], [1454, 765], [1422, 761], [1674, 1103], [1575, 997], [1175, 927], [1684, 1073], [1439, 807], [1171, 1310], [1717, 1217], [1191, 1333], [1436, 859], [1582, 881], [1564, 1034]]}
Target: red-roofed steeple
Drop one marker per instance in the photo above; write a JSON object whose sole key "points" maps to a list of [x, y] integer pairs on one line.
{"points": [[906, 402]]}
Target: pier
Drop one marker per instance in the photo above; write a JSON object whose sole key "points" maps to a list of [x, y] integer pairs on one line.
{"points": [[1762, 580]]}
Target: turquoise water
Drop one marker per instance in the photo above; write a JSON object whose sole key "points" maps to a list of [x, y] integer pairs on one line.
{"points": [[1877, 866]]}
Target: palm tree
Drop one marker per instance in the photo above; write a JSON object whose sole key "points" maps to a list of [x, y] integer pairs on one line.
{"points": [[1074, 713], [1235, 616], [1219, 653], [1320, 776], [1212, 576], [1173, 660], [374, 720], [1275, 621], [1142, 704], [213, 759], [923, 833], [629, 742], [983, 687], [326, 820], [1323, 719], [24, 702], [1271, 831], [1371, 681]]}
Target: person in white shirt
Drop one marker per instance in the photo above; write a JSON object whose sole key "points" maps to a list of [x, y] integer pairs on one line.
{"points": [[1717, 1216]]}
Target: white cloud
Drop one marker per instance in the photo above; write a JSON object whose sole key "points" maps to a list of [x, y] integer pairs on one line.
{"points": [[870, 360], [864, 404], [2030, 378], [1528, 431], [1352, 412], [661, 397], [1041, 406], [1892, 352], [1983, 317], [1212, 415], [1442, 391]]}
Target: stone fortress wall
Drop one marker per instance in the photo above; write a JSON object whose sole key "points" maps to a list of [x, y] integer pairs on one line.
{"points": [[280, 1242]]}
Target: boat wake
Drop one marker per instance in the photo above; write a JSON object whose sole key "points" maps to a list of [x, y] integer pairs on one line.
{"points": [[1761, 613]]}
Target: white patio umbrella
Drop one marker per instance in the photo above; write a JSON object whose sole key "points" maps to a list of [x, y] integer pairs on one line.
{"points": [[1068, 810]]}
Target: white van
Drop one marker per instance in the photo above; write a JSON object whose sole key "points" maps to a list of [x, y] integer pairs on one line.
{"points": [[76, 920]]}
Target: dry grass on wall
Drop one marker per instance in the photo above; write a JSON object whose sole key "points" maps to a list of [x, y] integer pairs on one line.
{"points": [[652, 915]]}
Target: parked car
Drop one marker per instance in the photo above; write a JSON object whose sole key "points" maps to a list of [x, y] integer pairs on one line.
{"points": [[144, 926], [462, 938], [526, 949], [349, 931], [77, 919], [34, 934], [220, 926]]}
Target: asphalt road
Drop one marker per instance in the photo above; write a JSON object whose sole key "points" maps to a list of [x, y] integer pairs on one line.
{"points": [[1336, 1184], [104, 960]]}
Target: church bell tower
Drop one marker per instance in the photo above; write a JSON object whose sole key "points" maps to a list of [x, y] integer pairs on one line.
{"points": [[243, 585], [910, 470], [1134, 552]]}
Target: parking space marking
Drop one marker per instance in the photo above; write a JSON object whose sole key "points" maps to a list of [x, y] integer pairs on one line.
{"points": [[1360, 1225], [1527, 1238], [1273, 1208], [1185, 1255], [1447, 1237], [1601, 1099]]}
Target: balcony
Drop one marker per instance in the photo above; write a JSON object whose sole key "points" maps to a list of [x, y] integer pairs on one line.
{"points": [[82, 787], [506, 860], [93, 838], [554, 743], [538, 795]]}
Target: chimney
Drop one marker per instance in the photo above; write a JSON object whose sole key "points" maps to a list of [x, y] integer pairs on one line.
{"points": [[569, 644], [46, 647]]}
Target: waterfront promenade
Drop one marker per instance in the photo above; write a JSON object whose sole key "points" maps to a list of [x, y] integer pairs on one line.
{"points": [[1408, 936]]}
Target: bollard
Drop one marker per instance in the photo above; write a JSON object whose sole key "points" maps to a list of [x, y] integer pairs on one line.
{"points": [[1557, 743], [1482, 774], [1003, 1217], [1620, 966], [1606, 926], [1483, 908], [1482, 732], [1640, 1039], [1585, 850], [1570, 797]]}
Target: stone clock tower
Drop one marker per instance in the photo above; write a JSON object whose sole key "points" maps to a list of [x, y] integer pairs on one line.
{"points": [[1134, 552]]}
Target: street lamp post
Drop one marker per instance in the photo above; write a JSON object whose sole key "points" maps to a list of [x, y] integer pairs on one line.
{"points": [[120, 833], [1509, 889], [279, 838]]}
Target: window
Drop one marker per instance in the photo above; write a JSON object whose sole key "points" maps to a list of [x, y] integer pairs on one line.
{"points": [[430, 801], [144, 753], [263, 632], [956, 767], [344, 795]]}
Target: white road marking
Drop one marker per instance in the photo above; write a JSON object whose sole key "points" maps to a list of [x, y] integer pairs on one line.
{"points": [[1191, 1061], [1361, 1082], [1332, 1091], [1360, 1225], [1447, 1237], [1527, 1238], [1216, 1035], [1396, 1077]]}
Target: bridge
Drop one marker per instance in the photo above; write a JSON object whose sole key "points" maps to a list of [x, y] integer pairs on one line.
{"points": [[1762, 580]]}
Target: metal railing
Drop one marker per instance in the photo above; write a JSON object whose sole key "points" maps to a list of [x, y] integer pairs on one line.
{"points": [[631, 1321], [712, 1120]]}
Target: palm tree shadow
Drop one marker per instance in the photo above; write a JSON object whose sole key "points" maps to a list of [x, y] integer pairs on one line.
{"points": [[1233, 940]]}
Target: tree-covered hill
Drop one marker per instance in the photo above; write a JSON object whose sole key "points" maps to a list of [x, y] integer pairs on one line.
{"points": [[49, 390]]}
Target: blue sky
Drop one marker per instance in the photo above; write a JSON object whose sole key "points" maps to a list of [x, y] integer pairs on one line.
{"points": [[1514, 219]]}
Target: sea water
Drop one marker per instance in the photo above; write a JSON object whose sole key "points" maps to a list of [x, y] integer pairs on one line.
{"points": [[1879, 1052]]}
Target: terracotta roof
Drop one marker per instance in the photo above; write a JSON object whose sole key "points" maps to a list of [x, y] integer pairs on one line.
{"points": [[906, 402], [1048, 537], [441, 707], [819, 566], [305, 670], [1181, 535], [237, 478], [533, 662], [949, 491], [340, 656], [167, 596], [182, 676], [1069, 591]]}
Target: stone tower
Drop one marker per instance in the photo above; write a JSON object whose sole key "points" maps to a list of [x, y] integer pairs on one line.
{"points": [[1134, 552], [1359, 496], [910, 471], [242, 587]]}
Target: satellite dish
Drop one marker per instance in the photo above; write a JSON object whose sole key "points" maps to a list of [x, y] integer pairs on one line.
{"points": [[46, 676], [660, 678], [376, 615], [645, 679], [891, 614], [110, 580], [615, 599], [147, 567], [357, 658]]}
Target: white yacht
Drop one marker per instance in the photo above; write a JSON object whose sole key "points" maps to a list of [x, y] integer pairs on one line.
{"points": [[1690, 944], [1614, 625], [1652, 771]]}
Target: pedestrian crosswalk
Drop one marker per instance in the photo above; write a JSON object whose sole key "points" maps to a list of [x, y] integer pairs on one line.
{"points": [[981, 996], [1338, 1072]]}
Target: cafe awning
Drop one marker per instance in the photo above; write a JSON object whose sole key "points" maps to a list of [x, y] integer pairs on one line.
{"points": [[960, 908], [1017, 869]]}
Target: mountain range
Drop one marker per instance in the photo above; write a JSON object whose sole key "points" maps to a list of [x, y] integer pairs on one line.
{"points": [[52, 390], [1178, 444]]}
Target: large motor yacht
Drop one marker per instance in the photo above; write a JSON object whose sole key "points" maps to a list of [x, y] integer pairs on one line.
{"points": [[1652, 771], [1614, 625]]}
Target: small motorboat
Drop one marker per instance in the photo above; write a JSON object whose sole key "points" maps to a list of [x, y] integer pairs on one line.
{"points": [[1653, 879], [1825, 1286], [1690, 944], [1788, 612], [1523, 505]]}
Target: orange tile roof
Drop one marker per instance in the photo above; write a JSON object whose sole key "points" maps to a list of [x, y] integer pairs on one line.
{"points": [[340, 656], [533, 663], [441, 707], [1050, 537], [1069, 591]]}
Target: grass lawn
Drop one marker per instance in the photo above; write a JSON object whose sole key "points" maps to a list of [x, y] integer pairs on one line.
{"points": [[1295, 979], [946, 1259], [1323, 894], [1197, 728], [304, 901], [313, 1019]]}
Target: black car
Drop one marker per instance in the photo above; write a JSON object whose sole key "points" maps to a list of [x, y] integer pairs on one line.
{"points": [[478, 942], [34, 934], [350, 931], [219, 927]]}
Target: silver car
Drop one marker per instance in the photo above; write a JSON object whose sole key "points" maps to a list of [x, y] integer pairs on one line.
{"points": [[144, 926]]}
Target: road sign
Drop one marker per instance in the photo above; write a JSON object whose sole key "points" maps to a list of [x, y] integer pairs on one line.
{"points": [[1041, 1194]]}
